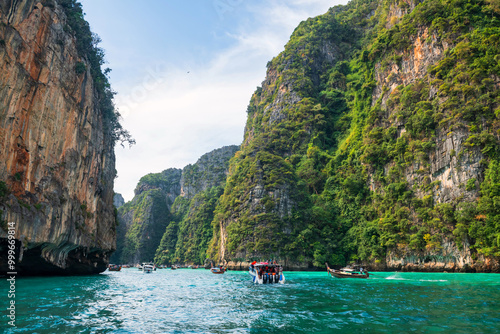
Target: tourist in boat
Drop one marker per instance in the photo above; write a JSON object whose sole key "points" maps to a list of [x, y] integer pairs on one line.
{"points": [[264, 273]]}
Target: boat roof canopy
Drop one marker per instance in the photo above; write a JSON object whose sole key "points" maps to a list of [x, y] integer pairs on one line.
{"points": [[266, 264]]}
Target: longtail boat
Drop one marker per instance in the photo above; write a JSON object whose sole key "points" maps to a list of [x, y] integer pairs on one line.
{"points": [[347, 273], [114, 267], [218, 270]]}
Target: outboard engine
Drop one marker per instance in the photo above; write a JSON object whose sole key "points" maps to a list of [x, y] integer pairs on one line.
{"points": [[264, 278]]}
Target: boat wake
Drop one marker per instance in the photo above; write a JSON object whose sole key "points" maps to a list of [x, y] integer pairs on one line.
{"points": [[394, 277], [397, 278]]}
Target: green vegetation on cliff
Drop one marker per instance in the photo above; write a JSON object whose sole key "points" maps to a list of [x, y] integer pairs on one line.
{"points": [[143, 220], [186, 237], [150, 216], [457, 95]]}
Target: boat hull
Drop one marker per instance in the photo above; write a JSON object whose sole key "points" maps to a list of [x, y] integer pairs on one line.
{"points": [[348, 275], [269, 277], [265, 279], [147, 268], [217, 271]]}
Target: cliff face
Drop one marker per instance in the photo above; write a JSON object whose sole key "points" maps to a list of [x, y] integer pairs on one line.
{"points": [[142, 221], [118, 200], [56, 157], [202, 185], [169, 218], [373, 139], [209, 171], [449, 174]]}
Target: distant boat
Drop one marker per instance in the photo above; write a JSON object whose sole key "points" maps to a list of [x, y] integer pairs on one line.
{"points": [[347, 272], [218, 270], [114, 267], [266, 273], [148, 268]]}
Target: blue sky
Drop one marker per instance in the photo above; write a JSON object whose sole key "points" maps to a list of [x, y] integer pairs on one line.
{"points": [[184, 72]]}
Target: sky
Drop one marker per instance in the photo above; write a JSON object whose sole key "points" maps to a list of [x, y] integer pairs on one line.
{"points": [[184, 72]]}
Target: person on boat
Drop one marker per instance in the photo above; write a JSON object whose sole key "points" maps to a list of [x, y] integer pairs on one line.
{"points": [[361, 270]]}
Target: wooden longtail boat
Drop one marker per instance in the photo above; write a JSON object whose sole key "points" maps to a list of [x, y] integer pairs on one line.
{"points": [[218, 270], [114, 267], [347, 273]]}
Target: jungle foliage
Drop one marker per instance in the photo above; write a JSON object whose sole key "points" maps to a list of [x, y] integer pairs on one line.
{"points": [[188, 233], [150, 216]]}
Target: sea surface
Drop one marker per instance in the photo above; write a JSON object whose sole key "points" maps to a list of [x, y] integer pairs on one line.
{"points": [[197, 301]]}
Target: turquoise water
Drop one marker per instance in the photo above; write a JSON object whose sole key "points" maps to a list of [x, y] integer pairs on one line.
{"points": [[197, 301]]}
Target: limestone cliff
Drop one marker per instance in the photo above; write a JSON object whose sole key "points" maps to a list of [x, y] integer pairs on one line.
{"points": [[118, 200], [451, 172], [57, 160], [202, 184], [209, 171], [142, 221], [374, 138]]}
